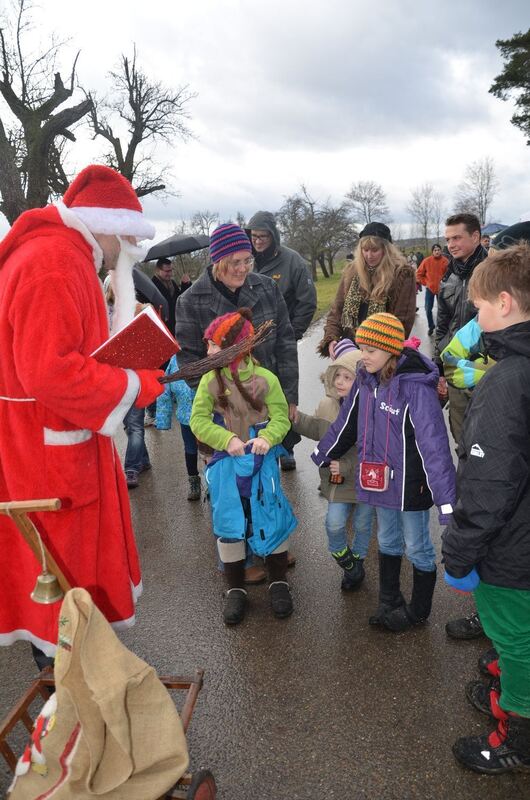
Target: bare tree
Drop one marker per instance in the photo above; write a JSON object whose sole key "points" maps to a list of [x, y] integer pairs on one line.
{"points": [[367, 201], [422, 209], [437, 214], [151, 113], [477, 190], [204, 221], [241, 220], [32, 136]]}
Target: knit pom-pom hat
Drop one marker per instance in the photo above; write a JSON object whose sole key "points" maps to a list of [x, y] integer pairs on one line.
{"points": [[382, 331], [227, 239]]}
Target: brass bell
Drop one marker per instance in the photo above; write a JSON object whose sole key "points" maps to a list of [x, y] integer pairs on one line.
{"points": [[47, 589]]}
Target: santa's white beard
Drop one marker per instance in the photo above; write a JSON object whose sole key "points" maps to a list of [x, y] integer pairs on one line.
{"points": [[123, 284]]}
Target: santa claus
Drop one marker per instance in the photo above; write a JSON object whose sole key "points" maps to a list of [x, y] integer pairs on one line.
{"points": [[59, 407]]}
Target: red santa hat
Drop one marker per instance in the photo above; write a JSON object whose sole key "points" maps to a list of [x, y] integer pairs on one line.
{"points": [[105, 202]]}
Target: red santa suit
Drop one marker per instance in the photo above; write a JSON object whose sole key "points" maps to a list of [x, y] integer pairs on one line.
{"points": [[58, 411]]}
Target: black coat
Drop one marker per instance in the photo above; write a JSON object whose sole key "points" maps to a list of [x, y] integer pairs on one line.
{"points": [[454, 308], [491, 522], [171, 301]]}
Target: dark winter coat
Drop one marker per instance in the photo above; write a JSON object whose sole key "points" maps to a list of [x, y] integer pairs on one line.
{"points": [[289, 270], [490, 529], [454, 309], [203, 302], [171, 297], [421, 467]]}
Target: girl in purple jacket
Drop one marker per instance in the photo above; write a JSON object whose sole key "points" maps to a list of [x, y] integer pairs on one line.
{"points": [[405, 465]]}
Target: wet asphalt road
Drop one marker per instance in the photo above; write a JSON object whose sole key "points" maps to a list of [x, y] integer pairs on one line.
{"points": [[316, 706]]}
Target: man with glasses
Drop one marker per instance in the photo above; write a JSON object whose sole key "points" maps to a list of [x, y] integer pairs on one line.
{"points": [[292, 276]]}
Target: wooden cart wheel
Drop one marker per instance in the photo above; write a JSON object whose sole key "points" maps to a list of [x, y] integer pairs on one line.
{"points": [[202, 786]]}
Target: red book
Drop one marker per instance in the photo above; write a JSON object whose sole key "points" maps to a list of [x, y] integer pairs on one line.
{"points": [[145, 343]]}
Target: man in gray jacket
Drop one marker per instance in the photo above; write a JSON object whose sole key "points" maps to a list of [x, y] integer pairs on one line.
{"points": [[291, 274]]}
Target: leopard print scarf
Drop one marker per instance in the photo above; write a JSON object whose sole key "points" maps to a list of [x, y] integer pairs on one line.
{"points": [[350, 311]]}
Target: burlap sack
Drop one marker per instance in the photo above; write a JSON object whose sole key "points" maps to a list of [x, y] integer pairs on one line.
{"points": [[111, 730]]}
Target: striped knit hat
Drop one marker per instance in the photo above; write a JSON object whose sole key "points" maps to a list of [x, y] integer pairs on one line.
{"points": [[227, 239], [230, 329], [382, 331]]}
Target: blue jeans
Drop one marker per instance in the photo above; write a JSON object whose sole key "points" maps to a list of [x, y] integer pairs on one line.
{"points": [[136, 455], [406, 532], [336, 520], [429, 305]]}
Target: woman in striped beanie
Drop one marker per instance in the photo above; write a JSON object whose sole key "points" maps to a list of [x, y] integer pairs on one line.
{"points": [[394, 417]]}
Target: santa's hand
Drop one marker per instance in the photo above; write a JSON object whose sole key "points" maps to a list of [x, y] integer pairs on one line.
{"points": [[235, 447], [150, 386], [260, 446]]}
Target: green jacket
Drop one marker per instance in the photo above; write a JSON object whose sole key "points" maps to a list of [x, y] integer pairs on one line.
{"points": [[215, 425]]}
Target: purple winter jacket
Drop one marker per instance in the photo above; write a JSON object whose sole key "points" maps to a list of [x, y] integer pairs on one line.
{"points": [[418, 454]]}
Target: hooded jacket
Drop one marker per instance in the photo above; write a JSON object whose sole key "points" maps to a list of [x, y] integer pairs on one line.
{"points": [[289, 270], [490, 529], [418, 455], [454, 309], [316, 426]]}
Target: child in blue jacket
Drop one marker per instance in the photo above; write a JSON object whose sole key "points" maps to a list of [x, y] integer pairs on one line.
{"points": [[180, 394]]}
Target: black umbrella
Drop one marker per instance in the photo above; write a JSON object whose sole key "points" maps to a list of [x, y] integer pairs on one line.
{"points": [[147, 292], [177, 245]]}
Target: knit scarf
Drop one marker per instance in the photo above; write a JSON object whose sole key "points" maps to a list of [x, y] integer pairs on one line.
{"points": [[350, 311]]}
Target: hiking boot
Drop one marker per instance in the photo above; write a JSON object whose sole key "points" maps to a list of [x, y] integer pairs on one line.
{"points": [[281, 600], [255, 575], [505, 749], [465, 627], [235, 605], [288, 462], [488, 663], [131, 476], [484, 696], [390, 596], [417, 611], [194, 492]]}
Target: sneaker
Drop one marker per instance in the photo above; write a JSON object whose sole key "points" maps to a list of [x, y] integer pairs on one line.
{"points": [[430, 332], [488, 663], [281, 600], [465, 628], [484, 696], [235, 606], [255, 575], [288, 462], [505, 749], [131, 476], [194, 492], [149, 420]]}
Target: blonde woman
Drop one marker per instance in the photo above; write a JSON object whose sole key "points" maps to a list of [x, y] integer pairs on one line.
{"points": [[377, 280]]}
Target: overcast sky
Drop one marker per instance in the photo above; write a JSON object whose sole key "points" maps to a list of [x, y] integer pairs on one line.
{"points": [[327, 94]]}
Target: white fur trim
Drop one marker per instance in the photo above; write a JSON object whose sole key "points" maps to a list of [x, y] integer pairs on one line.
{"points": [[72, 221], [116, 416], [115, 221], [66, 437], [48, 648]]}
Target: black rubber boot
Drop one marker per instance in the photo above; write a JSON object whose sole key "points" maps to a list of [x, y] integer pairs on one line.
{"points": [[389, 594], [488, 663], [352, 567], [276, 565], [506, 749], [418, 610]]}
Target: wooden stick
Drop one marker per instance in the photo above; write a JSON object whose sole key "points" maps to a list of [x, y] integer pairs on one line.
{"points": [[223, 358]]}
